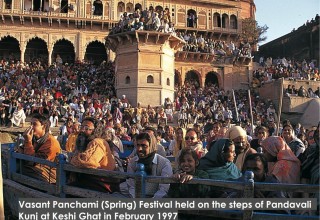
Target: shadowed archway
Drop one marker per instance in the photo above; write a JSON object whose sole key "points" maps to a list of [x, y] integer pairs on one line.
{"points": [[36, 50], [193, 77], [65, 49], [9, 48], [211, 79], [96, 52]]}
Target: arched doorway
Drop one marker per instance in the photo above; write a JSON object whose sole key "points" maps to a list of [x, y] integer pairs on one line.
{"points": [[192, 18], [9, 48], [138, 6], [177, 79], [65, 49], [98, 8], [192, 78], [211, 79], [36, 50], [96, 52]]}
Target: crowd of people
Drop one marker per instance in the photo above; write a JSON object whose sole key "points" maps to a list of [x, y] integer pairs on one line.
{"points": [[214, 138], [198, 43], [272, 69], [36, 88], [148, 19], [160, 20], [272, 159]]}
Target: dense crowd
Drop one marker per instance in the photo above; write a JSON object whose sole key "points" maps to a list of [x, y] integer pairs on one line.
{"points": [[209, 135], [160, 20], [272, 69], [198, 43], [148, 19]]}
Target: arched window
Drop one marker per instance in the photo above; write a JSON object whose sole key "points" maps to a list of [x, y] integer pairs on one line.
{"points": [[129, 7], [181, 16], [192, 18], [225, 21], [159, 9], [120, 7], [64, 6], [8, 4], [233, 22], [202, 18], [150, 79], [98, 7], [216, 20], [168, 82], [138, 6], [127, 81]]}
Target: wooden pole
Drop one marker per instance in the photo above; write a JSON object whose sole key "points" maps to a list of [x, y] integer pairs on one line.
{"points": [[250, 105], [280, 107], [235, 105], [1, 190]]}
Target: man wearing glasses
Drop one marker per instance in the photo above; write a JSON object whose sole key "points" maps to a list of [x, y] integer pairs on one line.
{"points": [[193, 142]]}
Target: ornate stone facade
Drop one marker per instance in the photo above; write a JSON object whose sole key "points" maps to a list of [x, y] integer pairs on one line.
{"points": [[77, 25]]}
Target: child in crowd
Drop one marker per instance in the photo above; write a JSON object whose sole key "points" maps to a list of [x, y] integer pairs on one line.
{"points": [[188, 161]]}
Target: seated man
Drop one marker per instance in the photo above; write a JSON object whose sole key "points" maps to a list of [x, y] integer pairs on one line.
{"points": [[155, 165], [162, 117], [169, 113], [92, 151], [18, 117], [40, 143]]}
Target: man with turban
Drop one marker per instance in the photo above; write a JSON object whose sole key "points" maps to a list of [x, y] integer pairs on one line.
{"points": [[239, 136]]}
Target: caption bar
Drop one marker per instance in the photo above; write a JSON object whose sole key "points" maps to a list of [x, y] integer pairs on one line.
{"points": [[145, 209]]}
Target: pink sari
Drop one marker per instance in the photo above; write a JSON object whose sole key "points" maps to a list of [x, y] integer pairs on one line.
{"points": [[287, 167]]}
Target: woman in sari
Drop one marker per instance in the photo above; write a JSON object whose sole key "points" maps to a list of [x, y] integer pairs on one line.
{"points": [[218, 163], [282, 163]]}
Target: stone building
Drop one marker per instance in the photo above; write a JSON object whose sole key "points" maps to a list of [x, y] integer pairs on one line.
{"points": [[76, 30], [301, 43]]}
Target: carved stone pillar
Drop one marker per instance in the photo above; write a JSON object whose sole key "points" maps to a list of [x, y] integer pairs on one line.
{"points": [[22, 50], [81, 47], [50, 50]]}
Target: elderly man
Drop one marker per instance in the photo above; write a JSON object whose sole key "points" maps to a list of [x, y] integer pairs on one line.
{"points": [[239, 137], [92, 151], [40, 143], [155, 165]]}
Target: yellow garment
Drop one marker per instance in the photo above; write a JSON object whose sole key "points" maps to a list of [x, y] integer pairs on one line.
{"points": [[71, 142], [97, 156]]}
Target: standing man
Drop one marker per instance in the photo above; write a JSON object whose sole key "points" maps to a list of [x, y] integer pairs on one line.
{"points": [[40, 143]]}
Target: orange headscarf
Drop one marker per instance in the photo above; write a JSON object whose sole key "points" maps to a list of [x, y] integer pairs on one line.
{"points": [[287, 167]]}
